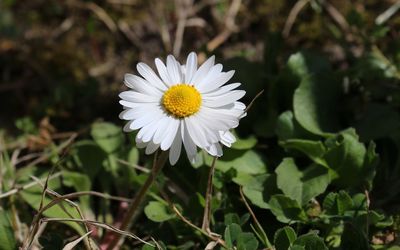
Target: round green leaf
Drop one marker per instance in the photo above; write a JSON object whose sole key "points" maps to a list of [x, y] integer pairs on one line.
{"points": [[303, 185], [284, 237], [157, 211], [285, 209], [108, 136], [315, 104], [311, 241], [242, 144]]}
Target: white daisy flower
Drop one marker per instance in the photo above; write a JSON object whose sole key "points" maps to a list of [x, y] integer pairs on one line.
{"points": [[183, 104]]}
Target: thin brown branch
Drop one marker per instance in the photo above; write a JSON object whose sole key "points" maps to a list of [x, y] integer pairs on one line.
{"points": [[46, 156], [181, 10], [73, 204], [210, 235], [336, 16], [143, 169], [98, 11], [26, 186], [253, 215], [252, 101], [207, 208], [294, 12], [229, 26], [97, 224]]}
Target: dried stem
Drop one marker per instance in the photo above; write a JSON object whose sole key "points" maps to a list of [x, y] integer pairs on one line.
{"points": [[268, 243], [229, 26], [209, 234], [252, 101], [207, 208], [29, 185], [294, 12], [97, 224], [137, 200], [181, 10]]}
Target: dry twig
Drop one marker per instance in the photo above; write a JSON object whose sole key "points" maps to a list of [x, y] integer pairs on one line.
{"points": [[229, 26], [294, 12], [97, 224]]}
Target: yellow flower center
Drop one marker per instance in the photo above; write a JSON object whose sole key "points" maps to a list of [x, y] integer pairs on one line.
{"points": [[182, 100]]}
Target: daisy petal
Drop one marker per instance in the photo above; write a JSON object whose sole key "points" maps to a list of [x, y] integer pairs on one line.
{"points": [[191, 67], [204, 68], [151, 148], [175, 150], [132, 114], [150, 76], [174, 70], [216, 82], [140, 143], [222, 100], [146, 119], [127, 127], [133, 96], [195, 132], [141, 85], [214, 150], [188, 143], [223, 90], [162, 71], [170, 135], [162, 129], [227, 138], [213, 73]]}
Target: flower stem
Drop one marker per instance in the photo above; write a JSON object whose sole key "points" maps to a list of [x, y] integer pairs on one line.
{"points": [[207, 208], [138, 199]]}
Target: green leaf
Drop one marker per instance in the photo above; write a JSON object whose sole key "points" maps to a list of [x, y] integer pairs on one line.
{"points": [[249, 162], [88, 156], [288, 128], [314, 104], [242, 144], [80, 182], [27, 125], [286, 210], [311, 241], [301, 186], [337, 203], [108, 136], [231, 218], [258, 188], [7, 171], [374, 65], [247, 241], [231, 234], [315, 150], [297, 247], [349, 158], [305, 63], [33, 196], [284, 237], [133, 156], [158, 212], [7, 237], [353, 238]]}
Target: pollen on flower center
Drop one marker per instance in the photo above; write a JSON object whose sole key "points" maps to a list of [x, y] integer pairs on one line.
{"points": [[182, 100]]}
